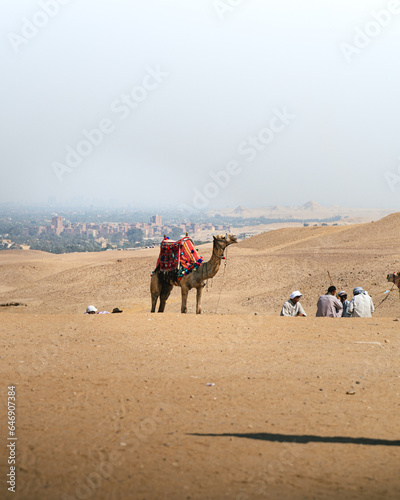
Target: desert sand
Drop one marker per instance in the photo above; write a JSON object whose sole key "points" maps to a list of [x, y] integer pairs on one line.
{"points": [[236, 403]]}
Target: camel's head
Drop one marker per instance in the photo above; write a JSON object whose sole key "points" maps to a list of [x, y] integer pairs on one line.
{"points": [[394, 278], [225, 239], [390, 277]]}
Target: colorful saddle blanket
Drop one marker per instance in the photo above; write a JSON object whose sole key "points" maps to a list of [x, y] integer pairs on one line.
{"points": [[180, 256]]}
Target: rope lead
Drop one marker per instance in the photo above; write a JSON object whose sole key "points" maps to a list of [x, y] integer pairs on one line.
{"points": [[223, 278]]}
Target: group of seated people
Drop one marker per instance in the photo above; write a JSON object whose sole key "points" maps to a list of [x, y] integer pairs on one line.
{"points": [[333, 305]]}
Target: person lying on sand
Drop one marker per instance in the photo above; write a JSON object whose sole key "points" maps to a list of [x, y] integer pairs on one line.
{"points": [[93, 310], [292, 307]]}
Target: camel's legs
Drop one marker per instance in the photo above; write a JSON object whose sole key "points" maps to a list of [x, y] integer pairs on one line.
{"points": [[154, 298], [155, 290], [185, 292], [165, 292], [198, 299]]}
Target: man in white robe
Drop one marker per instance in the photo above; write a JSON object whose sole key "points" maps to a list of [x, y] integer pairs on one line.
{"points": [[292, 307], [361, 305]]}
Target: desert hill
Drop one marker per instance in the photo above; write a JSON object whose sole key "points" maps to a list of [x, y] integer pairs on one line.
{"points": [[383, 234], [355, 255], [260, 272]]}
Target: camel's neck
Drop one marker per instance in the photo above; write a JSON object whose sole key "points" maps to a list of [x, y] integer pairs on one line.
{"points": [[211, 267]]}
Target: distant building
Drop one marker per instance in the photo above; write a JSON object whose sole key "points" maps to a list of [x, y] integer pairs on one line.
{"points": [[156, 219], [57, 225], [102, 241], [91, 232]]}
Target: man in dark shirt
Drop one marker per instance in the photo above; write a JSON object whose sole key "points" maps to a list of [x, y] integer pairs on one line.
{"points": [[328, 305]]}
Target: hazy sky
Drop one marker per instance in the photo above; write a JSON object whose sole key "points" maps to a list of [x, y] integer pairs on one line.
{"points": [[206, 103]]}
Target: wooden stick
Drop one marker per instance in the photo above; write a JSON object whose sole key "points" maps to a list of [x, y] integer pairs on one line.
{"points": [[329, 274]]}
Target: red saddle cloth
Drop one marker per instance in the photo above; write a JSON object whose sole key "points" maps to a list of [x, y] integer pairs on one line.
{"points": [[178, 255]]}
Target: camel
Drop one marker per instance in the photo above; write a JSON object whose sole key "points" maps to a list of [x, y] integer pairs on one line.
{"points": [[162, 287]]}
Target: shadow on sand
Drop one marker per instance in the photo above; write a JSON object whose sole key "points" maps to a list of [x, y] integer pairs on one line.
{"points": [[304, 439]]}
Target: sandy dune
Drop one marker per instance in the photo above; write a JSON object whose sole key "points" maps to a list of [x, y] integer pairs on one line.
{"points": [[118, 407]]}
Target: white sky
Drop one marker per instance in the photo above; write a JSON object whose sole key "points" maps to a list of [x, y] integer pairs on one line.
{"points": [[226, 79]]}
